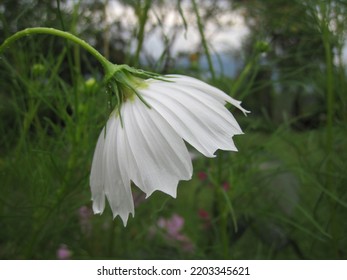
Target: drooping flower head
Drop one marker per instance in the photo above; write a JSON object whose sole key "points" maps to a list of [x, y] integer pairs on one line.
{"points": [[143, 140]]}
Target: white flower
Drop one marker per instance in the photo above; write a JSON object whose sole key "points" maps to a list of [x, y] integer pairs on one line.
{"points": [[144, 145]]}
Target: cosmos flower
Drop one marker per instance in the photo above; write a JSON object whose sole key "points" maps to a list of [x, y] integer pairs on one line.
{"points": [[173, 226], [143, 140], [63, 252]]}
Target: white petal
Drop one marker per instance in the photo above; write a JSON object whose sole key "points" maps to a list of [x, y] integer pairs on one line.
{"points": [[97, 176], [217, 93], [155, 149], [117, 184], [204, 123], [212, 106]]}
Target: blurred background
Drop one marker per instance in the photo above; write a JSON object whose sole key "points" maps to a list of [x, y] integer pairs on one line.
{"points": [[282, 196]]}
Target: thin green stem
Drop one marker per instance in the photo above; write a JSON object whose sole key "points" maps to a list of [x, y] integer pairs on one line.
{"points": [[60, 16], [330, 97], [219, 201], [203, 40], [143, 18], [52, 31], [107, 31], [222, 213], [329, 88]]}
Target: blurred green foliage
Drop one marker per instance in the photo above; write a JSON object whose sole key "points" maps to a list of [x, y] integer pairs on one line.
{"points": [[282, 196]]}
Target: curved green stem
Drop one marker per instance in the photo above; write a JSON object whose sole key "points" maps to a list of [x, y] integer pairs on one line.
{"points": [[52, 31]]}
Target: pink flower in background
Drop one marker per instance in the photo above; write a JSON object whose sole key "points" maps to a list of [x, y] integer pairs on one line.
{"points": [[172, 228], [203, 214], [202, 176], [205, 218], [63, 252], [226, 186]]}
